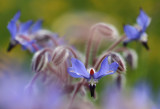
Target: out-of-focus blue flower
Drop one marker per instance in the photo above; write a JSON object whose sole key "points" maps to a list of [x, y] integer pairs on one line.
{"points": [[139, 32], [31, 36], [20, 33], [138, 98]]}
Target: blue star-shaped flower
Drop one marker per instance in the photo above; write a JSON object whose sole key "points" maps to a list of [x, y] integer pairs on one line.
{"points": [[20, 32], [138, 33], [78, 70]]}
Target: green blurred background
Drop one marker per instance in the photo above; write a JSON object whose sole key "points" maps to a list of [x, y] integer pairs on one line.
{"points": [[61, 16]]}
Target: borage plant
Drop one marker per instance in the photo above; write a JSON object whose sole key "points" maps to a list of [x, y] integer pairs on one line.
{"points": [[56, 63]]}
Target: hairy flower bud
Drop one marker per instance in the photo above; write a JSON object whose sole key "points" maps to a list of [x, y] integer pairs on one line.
{"points": [[115, 57], [131, 58], [106, 30], [59, 55], [40, 60], [45, 38]]}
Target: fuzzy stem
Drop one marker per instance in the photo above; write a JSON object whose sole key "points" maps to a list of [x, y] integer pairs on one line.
{"points": [[55, 72], [100, 60], [116, 43], [53, 40], [119, 82], [29, 86], [72, 51], [78, 86], [121, 49], [108, 51], [27, 39], [89, 46], [94, 51]]}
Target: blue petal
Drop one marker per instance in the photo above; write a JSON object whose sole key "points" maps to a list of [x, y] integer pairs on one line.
{"points": [[37, 26], [143, 20], [28, 45], [106, 69], [12, 27], [74, 74], [131, 32], [16, 16], [25, 26], [79, 69]]}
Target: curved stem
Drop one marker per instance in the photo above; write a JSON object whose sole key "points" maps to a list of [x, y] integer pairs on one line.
{"points": [[28, 39], [108, 51], [29, 86], [94, 51], [116, 43], [55, 72], [53, 40], [76, 91], [89, 46], [121, 49], [100, 60], [72, 51]]}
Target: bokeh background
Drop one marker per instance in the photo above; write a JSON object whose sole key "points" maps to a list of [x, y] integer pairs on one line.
{"points": [[67, 17]]}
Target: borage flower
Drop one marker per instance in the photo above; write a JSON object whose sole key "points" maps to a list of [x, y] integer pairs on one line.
{"points": [[78, 70], [138, 32], [20, 32]]}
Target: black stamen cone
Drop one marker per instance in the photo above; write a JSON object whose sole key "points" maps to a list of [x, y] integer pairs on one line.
{"points": [[92, 90], [125, 44], [145, 44], [10, 47]]}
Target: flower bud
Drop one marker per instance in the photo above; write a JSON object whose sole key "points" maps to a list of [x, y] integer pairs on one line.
{"points": [[40, 60], [59, 55], [45, 38], [131, 58], [106, 30], [115, 57]]}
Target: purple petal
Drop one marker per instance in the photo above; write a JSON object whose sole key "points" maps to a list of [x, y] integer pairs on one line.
{"points": [[131, 32], [37, 26], [16, 16], [106, 69], [74, 74], [25, 26], [143, 20], [28, 45], [79, 68], [12, 27]]}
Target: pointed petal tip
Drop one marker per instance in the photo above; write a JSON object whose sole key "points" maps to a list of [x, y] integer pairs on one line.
{"points": [[145, 44], [10, 47]]}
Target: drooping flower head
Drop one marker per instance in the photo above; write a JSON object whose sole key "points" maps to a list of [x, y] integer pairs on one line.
{"points": [[78, 70], [139, 31], [20, 32]]}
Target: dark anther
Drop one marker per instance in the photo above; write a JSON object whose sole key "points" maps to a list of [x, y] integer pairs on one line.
{"points": [[92, 90], [10, 47], [125, 44], [145, 45]]}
